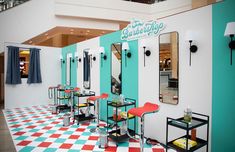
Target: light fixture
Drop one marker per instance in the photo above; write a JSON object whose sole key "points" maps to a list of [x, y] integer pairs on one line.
{"points": [[230, 32], [125, 47], [103, 55], [146, 52], [190, 36], [93, 58], [61, 60], [75, 57]]}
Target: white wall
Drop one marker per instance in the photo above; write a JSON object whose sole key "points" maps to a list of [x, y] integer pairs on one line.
{"points": [[35, 17], [169, 7], [119, 10], [30, 19], [195, 82], [105, 9], [25, 95], [92, 44]]}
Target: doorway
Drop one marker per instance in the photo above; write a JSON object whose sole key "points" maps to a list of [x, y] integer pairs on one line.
{"points": [[2, 80]]}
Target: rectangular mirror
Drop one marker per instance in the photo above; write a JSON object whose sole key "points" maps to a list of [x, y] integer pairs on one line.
{"points": [[169, 68], [86, 69], [116, 68], [68, 68]]}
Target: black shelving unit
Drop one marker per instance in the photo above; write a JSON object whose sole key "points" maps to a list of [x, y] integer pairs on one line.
{"points": [[62, 96], [198, 120], [82, 117], [115, 134]]}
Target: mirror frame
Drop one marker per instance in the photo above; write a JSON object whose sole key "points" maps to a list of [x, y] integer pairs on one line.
{"points": [[111, 63], [159, 92], [89, 60]]}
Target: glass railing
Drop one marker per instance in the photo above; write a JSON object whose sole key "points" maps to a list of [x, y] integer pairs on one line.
{"points": [[7, 4]]}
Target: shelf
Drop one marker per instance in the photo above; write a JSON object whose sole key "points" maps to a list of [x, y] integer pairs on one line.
{"points": [[121, 137], [83, 95], [82, 105], [82, 117], [63, 98], [122, 119], [200, 143], [120, 105], [196, 122], [63, 107], [180, 123]]}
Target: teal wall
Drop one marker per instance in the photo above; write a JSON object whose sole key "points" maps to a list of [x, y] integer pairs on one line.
{"points": [[129, 73], [69, 49], [223, 92]]}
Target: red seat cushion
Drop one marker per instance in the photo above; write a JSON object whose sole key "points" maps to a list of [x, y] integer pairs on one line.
{"points": [[67, 91], [147, 108], [76, 89], [102, 96]]}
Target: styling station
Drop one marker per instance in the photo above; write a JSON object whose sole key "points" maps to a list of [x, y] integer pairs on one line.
{"points": [[158, 84]]}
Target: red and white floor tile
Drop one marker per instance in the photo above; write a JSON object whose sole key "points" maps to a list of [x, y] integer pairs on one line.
{"points": [[36, 129]]}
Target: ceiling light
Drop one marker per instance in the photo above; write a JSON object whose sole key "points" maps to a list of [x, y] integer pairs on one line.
{"points": [[88, 31], [46, 34], [71, 30], [47, 37], [103, 32], [30, 42]]}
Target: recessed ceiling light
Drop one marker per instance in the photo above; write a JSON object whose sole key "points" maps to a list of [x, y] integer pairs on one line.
{"points": [[46, 34], [47, 37], [103, 32], [71, 30], [30, 42], [88, 31]]}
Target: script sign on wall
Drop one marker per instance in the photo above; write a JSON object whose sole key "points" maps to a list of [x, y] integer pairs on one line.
{"points": [[139, 29]]}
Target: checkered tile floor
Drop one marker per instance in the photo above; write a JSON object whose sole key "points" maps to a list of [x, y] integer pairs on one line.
{"points": [[36, 129]]}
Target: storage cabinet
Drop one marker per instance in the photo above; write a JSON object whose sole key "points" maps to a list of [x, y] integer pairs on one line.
{"points": [[198, 120], [113, 118]]}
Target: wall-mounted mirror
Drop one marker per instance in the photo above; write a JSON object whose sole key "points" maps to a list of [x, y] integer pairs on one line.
{"points": [[169, 68], [86, 69], [116, 68], [68, 68]]}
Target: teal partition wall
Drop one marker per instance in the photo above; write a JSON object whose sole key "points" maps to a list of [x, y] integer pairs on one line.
{"points": [[223, 92], [129, 72], [69, 49]]}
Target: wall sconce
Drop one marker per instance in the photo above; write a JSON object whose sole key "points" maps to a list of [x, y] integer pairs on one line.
{"points": [[146, 52], [79, 59], [61, 60], [75, 56], [192, 48], [93, 58], [103, 55], [125, 47], [230, 32]]}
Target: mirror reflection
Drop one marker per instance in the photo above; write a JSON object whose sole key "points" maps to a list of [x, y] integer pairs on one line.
{"points": [[116, 71], [168, 67], [68, 68], [86, 69]]}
